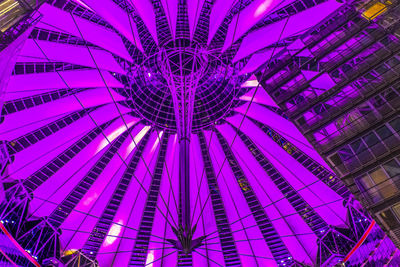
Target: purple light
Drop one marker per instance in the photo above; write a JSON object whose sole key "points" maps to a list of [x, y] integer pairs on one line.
{"points": [[123, 129]]}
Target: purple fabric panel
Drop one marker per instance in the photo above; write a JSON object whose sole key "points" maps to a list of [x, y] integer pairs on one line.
{"points": [[56, 19], [218, 13], [113, 14], [78, 55], [125, 210], [280, 125], [199, 187], [265, 191], [297, 175], [296, 23], [167, 192], [145, 9], [171, 11], [194, 9], [32, 158], [235, 205], [258, 59], [248, 17], [70, 104], [68, 79], [260, 96], [138, 197], [94, 204]]}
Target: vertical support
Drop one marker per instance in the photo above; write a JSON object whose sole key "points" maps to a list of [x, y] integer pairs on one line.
{"points": [[184, 182], [182, 67]]}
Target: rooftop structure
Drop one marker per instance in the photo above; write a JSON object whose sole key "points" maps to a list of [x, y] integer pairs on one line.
{"points": [[152, 133]]}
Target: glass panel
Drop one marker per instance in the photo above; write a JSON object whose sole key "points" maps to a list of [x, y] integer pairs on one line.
{"points": [[345, 153], [396, 209], [368, 189], [11, 12], [371, 139], [364, 183], [335, 159], [383, 132], [358, 146], [392, 168], [389, 218], [395, 124], [384, 185], [378, 176]]}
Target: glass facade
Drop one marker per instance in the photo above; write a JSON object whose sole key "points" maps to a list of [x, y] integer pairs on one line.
{"points": [[344, 97]]}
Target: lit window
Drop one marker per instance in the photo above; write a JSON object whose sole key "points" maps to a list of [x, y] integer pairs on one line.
{"points": [[375, 10]]}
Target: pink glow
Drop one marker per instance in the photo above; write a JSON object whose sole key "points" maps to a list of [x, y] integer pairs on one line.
{"points": [[150, 258], [250, 83], [113, 233], [262, 8], [83, 4], [153, 148], [137, 139], [110, 137], [90, 199]]}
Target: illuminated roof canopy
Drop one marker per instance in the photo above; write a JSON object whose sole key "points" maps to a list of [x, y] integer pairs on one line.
{"points": [[90, 118]]}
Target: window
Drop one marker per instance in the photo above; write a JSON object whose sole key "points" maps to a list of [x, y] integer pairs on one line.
{"points": [[368, 189], [392, 168], [395, 124], [335, 159], [377, 101], [371, 139], [396, 210], [364, 183], [378, 176], [345, 153], [383, 132], [358, 146], [385, 186], [389, 218]]}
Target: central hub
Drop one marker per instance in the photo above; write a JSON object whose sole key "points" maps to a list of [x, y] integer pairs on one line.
{"points": [[180, 65], [183, 62]]}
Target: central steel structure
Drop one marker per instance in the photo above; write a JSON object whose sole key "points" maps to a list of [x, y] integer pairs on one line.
{"points": [[182, 68]]}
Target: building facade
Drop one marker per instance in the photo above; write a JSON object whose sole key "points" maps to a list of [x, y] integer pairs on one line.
{"points": [[340, 84]]}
